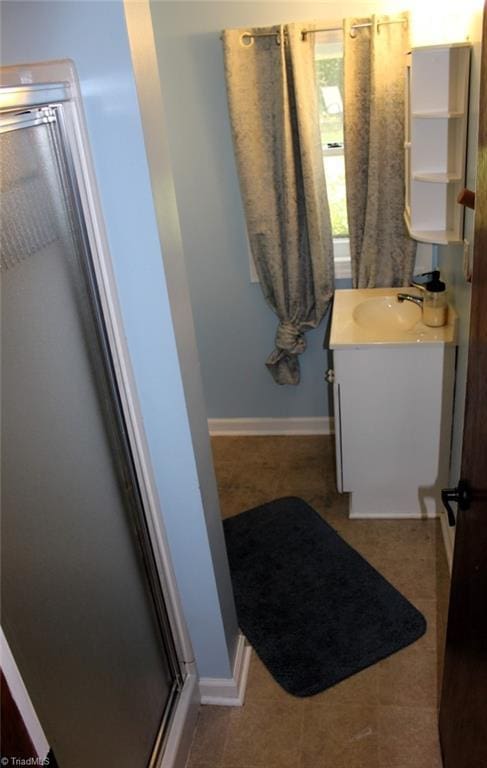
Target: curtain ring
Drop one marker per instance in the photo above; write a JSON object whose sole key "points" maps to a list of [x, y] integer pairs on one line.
{"points": [[246, 39], [353, 32], [278, 38]]}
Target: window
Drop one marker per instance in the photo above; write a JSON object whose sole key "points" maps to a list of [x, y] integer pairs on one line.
{"points": [[329, 81]]}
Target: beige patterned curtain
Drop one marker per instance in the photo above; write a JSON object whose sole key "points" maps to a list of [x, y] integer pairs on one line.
{"points": [[274, 116], [374, 112]]}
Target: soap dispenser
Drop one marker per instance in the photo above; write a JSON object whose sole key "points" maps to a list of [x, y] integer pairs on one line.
{"points": [[435, 305]]}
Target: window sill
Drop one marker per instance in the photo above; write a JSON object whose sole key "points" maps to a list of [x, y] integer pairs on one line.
{"points": [[343, 267]]}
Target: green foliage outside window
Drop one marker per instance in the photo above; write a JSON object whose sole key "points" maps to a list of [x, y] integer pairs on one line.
{"points": [[329, 73]]}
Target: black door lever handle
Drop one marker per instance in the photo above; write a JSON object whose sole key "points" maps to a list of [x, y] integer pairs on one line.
{"points": [[461, 495]]}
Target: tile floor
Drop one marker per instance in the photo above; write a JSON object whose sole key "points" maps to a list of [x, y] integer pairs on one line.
{"points": [[383, 717]]}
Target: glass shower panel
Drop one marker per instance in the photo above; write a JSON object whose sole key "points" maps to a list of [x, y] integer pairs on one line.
{"points": [[77, 605]]}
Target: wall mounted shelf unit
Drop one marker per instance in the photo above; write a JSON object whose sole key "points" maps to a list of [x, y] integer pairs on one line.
{"points": [[435, 146]]}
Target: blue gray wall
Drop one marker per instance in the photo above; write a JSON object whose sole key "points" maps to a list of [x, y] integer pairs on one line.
{"points": [[94, 35], [234, 326]]}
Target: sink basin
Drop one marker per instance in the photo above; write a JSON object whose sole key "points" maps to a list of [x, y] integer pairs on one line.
{"points": [[364, 317], [386, 312]]}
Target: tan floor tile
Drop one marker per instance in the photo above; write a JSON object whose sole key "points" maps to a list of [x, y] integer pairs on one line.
{"points": [[442, 568], [434, 639], [355, 532], [296, 481], [429, 609], [252, 450], [383, 717], [311, 493], [332, 506], [227, 474], [404, 539], [442, 587], [228, 449], [440, 660], [230, 505], [409, 678], [262, 482], [209, 737], [234, 503], [408, 738], [199, 764], [251, 490], [359, 689], [261, 686], [340, 736], [263, 736], [301, 451], [301, 468], [413, 578], [442, 598]]}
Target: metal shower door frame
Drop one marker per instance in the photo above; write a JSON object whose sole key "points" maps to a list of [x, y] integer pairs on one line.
{"points": [[58, 104]]}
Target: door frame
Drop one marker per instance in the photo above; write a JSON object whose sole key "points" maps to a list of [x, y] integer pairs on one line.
{"points": [[28, 85]]}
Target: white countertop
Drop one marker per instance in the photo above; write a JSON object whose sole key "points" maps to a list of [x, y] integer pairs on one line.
{"points": [[346, 332]]}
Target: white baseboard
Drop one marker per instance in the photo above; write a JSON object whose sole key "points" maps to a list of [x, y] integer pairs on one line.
{"points": [[320, 425], [182, 727], [229, 692]]}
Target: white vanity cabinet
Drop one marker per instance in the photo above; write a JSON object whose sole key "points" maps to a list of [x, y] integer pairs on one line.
{"points": [[393, 402], [437, 79]]}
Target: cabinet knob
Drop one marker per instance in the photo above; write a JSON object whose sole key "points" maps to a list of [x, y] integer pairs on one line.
{"points": [[330, 376]]}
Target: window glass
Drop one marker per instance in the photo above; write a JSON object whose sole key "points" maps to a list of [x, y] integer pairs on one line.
{"points": [[329, 81]]}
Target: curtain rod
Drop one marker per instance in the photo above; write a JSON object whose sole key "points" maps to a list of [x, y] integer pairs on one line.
{"points": [[305, 32], [249, 36]]}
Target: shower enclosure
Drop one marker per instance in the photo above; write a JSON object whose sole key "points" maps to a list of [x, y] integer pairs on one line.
{"points": [[83, 605]]}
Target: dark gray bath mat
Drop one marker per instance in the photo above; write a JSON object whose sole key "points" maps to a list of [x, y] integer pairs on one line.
{"points": [[313, 609]]}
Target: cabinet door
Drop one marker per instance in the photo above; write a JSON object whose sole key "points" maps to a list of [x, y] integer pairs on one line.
{"points": [[394, 423]]}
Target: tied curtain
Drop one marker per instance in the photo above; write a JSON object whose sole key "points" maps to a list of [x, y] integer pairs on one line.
{"points": [[381, 252], [273, 108]]}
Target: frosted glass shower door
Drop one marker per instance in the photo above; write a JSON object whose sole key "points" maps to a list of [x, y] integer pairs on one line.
{"points": [[79, 598]]}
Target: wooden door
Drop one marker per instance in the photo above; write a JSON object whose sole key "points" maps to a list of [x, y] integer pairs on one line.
{"points": [[463, 710]]}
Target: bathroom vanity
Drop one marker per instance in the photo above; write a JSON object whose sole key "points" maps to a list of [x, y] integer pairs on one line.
{"points": [[393, 396]]}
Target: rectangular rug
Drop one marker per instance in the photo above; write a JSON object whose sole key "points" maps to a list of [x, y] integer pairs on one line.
{"points": [[313, 609]]}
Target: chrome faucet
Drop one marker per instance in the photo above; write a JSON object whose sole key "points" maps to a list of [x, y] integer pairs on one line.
{"points": [[409, 297], [414, 284]]}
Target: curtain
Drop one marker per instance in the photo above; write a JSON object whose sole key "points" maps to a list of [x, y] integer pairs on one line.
{"points": [[374, 113], [273, 109]]}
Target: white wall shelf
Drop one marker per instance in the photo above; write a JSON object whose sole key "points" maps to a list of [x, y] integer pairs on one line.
{"points": [[437, 80], [436, 236], [437, 114], [436, 178]]}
